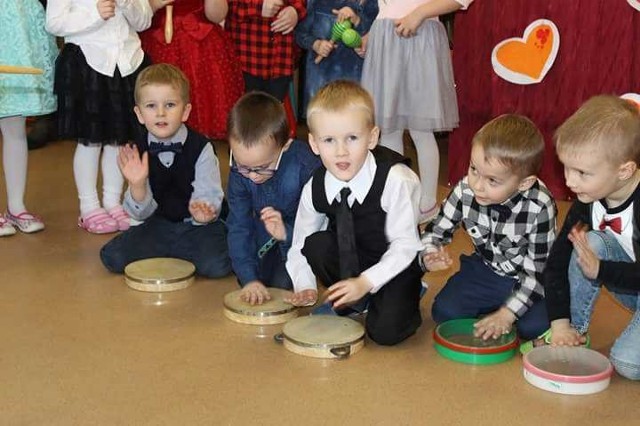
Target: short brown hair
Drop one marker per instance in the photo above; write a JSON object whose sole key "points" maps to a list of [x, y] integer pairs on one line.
{"points": [[338, 96], [163, 74], [256, 116], [604, 121], [514, 141]]}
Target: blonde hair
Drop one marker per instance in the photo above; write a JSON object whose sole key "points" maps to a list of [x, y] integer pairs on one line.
{"points": [[607, 122], [255, 117], [514, 141], [164, 74], [338, 96]]}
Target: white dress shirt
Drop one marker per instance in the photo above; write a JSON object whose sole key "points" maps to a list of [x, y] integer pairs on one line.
{"points": [[400, 200], [105, 44]]}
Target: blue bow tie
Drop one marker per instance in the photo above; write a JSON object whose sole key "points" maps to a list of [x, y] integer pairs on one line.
{"points": [[156, 148]]}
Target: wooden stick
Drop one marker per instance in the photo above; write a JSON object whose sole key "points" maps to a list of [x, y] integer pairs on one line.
{"points": [[168, 25], [12, 69]]}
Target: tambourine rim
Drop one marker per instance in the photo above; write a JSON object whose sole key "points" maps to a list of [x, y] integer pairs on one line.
{"points": [[323, 345], [161, 281]]}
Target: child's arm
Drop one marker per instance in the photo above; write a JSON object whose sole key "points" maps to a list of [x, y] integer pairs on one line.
{"points": [[288, 17], [407, 26], [207, 187], [137, 12], [304, 30], [65, 18], [216, 10], [138, 199]]}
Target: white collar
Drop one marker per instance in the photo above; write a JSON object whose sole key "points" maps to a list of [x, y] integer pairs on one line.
{"points": [[360, 184]]}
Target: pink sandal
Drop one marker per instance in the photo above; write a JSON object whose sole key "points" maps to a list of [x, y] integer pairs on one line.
{"points": [[119, 215], [98, 222]]}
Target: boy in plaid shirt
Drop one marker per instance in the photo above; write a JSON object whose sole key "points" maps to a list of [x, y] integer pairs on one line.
{"points": [[511, 219]]}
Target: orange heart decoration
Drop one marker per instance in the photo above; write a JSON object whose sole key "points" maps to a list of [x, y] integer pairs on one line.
{"points": [[527, 60]]}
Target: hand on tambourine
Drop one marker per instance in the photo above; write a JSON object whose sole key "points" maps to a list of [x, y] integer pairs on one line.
{"points": [[202, 211], [302, 298], [286, 21], [563, 334], [495, 325], [346, 13], [159, 4], [349, 291], [255, 293], [106, 8]]}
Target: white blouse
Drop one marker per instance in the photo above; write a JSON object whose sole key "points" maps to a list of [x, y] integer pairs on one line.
{"points": [[396, 9]]}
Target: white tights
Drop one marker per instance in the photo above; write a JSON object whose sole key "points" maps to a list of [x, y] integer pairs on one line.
{"points": [[428, 161], [85, 172], [14, 156]]}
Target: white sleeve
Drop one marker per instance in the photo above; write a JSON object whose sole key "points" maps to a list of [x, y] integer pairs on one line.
{"points": [[65, 18]]}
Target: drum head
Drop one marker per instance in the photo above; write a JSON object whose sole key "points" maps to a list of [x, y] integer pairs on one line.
{"points": [[457, 335], [323, 331], [159, 274], [274, 311]]}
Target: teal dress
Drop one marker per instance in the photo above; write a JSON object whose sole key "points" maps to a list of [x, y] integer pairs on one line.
{"points": [[24, 42]]}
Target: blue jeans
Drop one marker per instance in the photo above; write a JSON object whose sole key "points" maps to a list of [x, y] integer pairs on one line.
{"points": [[625, 353], [205, 246]]}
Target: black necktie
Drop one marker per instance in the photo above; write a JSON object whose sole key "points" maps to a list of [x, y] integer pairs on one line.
{"points": [[349, 264], [156, 148]]}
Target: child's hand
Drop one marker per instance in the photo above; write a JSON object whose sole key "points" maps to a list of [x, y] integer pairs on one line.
{"points": [[286, 21], [302, 298], [159, 4], [106, 8], [348, 291], [408, 26], [134, 169], [495, 325], [587, 259], [563, 334], [362, 50], [272, 220], [323, 47], [255, 293], [271, 7], [346, 13], [202, 211], [437, 260]]}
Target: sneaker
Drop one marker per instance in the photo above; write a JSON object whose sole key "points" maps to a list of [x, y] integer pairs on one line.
{"points": [[25, 222], [545, 339], [6, 228]]}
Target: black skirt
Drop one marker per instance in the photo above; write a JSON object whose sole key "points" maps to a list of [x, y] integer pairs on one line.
{"points": [[92, 107]]}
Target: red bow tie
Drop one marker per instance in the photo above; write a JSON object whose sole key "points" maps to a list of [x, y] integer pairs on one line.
{"points": [[614, 224]]}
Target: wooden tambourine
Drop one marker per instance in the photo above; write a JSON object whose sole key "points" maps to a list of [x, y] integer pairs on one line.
{"points": [[274, 311], [322, 336], [159, 274], [13, 69]]}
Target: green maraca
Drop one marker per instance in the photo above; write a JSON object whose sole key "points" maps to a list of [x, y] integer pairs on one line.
{"points": [[339, 28], [351, 38]]}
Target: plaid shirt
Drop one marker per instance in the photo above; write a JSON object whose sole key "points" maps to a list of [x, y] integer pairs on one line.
{"points": [[263, 53], [513, 238]]}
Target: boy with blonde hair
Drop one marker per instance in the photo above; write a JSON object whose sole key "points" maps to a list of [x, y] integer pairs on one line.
{"points": [[510, 216], [599, 242], [356, 226]]}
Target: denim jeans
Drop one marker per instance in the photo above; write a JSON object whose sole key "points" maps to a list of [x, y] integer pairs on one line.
{"points": [[625, 353]]}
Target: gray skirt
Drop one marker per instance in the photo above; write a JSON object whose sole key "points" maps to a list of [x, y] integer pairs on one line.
{"points": [[411, 79]]}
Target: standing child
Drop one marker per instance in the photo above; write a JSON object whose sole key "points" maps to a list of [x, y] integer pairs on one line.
{"points": [[337, 61], [268, 171], [25, 43], [599, 243], [262, 31], [174, 183], [408, 71], [357, 223], [204, 52], [95, 76], [511, 219]]}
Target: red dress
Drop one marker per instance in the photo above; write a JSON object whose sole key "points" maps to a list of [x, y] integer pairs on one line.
{"points": [[204, 52], [598, 55]]}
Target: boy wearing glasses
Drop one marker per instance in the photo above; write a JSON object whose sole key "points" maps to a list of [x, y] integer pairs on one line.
{"points": [[268, 171], [174, 183]]}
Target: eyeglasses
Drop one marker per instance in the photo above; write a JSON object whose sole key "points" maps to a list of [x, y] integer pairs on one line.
{"points": [[260, 170]]}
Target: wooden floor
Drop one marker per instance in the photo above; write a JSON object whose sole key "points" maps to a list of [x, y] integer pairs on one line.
{"points": [[80, 347]]}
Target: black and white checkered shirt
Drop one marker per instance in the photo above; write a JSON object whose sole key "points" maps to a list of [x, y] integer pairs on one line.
{"points": [[513, 238]]}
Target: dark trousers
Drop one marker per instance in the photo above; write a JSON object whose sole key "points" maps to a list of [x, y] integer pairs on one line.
{"points": [[477, 290], [394, 311], [276, 87], [205, 246], [272, 271]]}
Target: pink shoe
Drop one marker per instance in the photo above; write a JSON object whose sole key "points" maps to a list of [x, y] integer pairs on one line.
{"points": [[98, 222], [119, 215], [25, 222], [6, 228]]}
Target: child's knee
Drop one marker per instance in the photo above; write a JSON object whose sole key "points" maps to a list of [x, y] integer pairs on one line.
{"points": [[111, 259], [317, 246], [215, 267], [442, 311], [625, 358], [629, 370]]}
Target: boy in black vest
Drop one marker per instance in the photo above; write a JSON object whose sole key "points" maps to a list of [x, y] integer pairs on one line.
{"points": [[356, 226], [174, 183]]}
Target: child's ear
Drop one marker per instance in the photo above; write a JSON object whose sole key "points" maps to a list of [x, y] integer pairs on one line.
{"points": [[313, 144], [626, 170], [527, 182], [187, 111], [374, 137], [138, 114]]}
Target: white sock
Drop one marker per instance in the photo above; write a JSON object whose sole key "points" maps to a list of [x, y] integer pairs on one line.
{"points": [[14, 154], [112, 179], [429, 165], [393, 141], [85, 171]]}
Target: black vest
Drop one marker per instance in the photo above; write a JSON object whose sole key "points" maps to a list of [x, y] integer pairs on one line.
{"points": [[368, 218], [172, 187]]}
